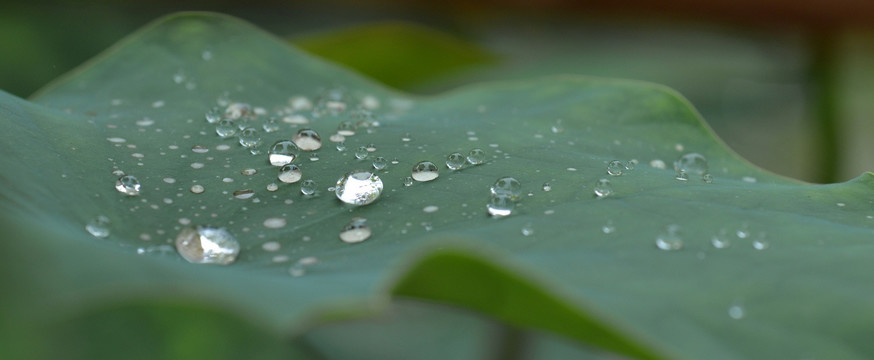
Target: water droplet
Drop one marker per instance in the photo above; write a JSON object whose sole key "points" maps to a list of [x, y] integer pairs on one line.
{"points": [[736, 312], [290, 173], [226, 128], [707, 178], [743, 232], [118, 172], [500, 205], [528, 230], [346, 128], [282, 152], [691, 164], [249, 171], [425, 171], [341, 146], [629, 165], [99, 226], [557, 127], [476, 156], [657, 164], [358, 187], [237, 110], [760, 243], [128, 185], [275, 223], [244, 194], [720, 241], [507, 186], [408, 181], [455, 161], [250, 137], [300, 103], [670, 239], [308, 187], [271, 246], [200, 149], [430, 209], [355, 231], [361, 153], [307, 140], [547, 187], [272, 187], [207, 245], [406, 137], [370, 148], [197, 189], [603, 188], [379, 163], [615, 168], [213, 115]]}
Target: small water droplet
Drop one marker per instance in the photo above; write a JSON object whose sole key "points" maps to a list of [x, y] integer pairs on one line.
{"points": [[250, 137], [507, 186], [720, 241], [736, 312], [629, 165], [430, 209], [658, 164], [455, 161], [761, 243], [244, 194], [380, 163], [200, 149], [528, 230], [249, 171], [615, 168], [346, 128], [670, 239], [358, 187], [500, 205], [406, 137], [271, 246], [355, 231], [603, 188], [361, 153], [214, 115], [308, 187], [408, 181], [272, 187], [743, 232], [557, 127], [290, 173], [370, 148], [341, 146], [425, 171], [275, 223], [207, 245], [98, 227], [707, 178], [236, 111], [128, 185], [118, 172], [608, 228], [226, 128], [307, 140], [476, 156], [197, 189], [691, 164], [547, 187]]}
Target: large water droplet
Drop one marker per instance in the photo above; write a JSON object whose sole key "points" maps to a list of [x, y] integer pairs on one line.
{"points": [[308, 187], [455, 161], [615, 168], [507, 186], [355, 231], [358, 187], [500, 205], [250, 137], [290, 173], [425, 171], [691, 164], [603, 188], [99, 226], [476, 156], [380, 163], [307, 140], [670, 239], [128, 185], [282, 152], [207, 245]]}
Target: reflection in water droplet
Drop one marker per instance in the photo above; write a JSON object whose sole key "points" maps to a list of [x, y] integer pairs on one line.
{"points": [[615, 168], [425, 171], [282, 152], [358, 187], [128, 185], [379, 163], [250, 137], [244, 194], [207, 245], [290, 173], [500, 205], [308, 187], [99, 226], [307, 140], [507, 186], [476, 156], [197, 189], [226, 128], [669, 240], [355, 231], [603, 188], [455, 161]]}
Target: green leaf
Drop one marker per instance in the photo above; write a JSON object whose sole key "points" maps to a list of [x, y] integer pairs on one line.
{"points": [[806, 295], [401, 55]]}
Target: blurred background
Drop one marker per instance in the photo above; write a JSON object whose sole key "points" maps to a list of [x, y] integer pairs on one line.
{"points": [[786, 84]]}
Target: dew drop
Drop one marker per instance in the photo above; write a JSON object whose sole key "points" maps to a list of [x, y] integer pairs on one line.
{"points": [[275, 223], [358, 187], [455, 161], [248, 171], [118, 172], [197, 189], [370, 148], [337, 138], [169, 180], [547, 187], [308, 187], [408, 181], [380, 163], [341, 146], [528, 230], [244, 194], [271, 246], [500, 205], [282, 152], [603, 188], [736, 312], [476, 156], [214, 115], [307, 140], [507, 186], [226, 128], [346, 128], [720, 241], [270, 125], [207, 245], [430, 209], [425, 171], [669, 240], [98, 227], [272, 187], [290, 173], [760, 243], [361, 153], [200, 149], [707, 178], [250, 137], [608, 228], [355, 231], [314, 156], [615, 168], [691, 164], [658, 164], [237, 110], [128, 185]]}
